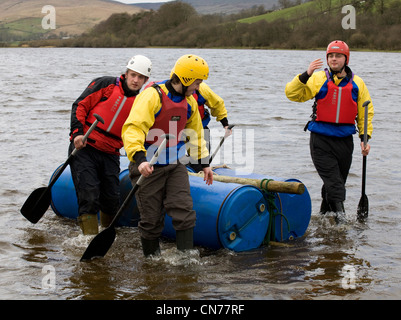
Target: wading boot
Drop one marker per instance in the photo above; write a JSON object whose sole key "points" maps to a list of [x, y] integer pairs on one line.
{"points": [[185, 239], [324, 207], [150, 247], [338, 209], [105, 219], [88, 224]]}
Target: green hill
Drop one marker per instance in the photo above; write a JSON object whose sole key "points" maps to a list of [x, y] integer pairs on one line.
{"points": [[313, 8], [294, 13]]}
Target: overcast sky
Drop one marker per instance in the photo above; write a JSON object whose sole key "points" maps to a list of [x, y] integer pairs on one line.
{"points": [[140, 1]]}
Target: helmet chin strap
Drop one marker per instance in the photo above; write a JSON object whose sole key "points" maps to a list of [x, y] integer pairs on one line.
{"points": [[184, 89], [337, 72]]}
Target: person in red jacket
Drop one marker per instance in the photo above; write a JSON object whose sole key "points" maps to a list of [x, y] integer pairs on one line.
{"points": [[95, 168]]}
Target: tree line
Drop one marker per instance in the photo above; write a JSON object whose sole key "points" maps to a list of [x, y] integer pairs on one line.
{"points": [[177, 24]]}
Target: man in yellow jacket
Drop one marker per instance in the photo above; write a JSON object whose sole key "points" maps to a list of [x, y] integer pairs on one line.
{"points": [[167, 107], [339, 96]]}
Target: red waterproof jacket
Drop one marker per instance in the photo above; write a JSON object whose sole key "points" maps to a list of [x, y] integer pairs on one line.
{"points": [[108, 97]]}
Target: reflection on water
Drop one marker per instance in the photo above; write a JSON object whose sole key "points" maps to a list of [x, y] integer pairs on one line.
{"points": [[353, 261]]}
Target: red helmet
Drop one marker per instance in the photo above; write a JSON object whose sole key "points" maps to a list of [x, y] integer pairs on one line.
{"points": [[338, 46]]}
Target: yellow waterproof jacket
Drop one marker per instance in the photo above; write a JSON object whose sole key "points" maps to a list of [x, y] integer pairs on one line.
{"points": [[142, 117], [300, 92], [213, 101]]}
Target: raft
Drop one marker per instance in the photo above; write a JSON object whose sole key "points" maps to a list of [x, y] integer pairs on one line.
{"points": [[234, 216]]}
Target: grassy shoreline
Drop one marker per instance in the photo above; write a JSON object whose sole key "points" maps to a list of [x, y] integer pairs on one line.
{"points": [[219, 48]]}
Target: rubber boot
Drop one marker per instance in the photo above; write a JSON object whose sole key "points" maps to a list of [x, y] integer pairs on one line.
{"points": [[338, 209], [185, 239], [105, 219], [88, 224], [150, 247], [324, 207]]}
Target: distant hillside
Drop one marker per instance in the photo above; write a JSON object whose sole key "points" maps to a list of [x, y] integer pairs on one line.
{"points": [[20, 20], [308, 10], [217, 6], [307, 26]]}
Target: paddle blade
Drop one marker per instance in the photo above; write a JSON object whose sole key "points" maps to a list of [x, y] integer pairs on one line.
{"points": [[100, 244], [37, 204], [363, 208]]}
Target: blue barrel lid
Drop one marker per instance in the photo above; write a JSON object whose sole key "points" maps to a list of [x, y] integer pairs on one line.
{"points": [[243, 219]]}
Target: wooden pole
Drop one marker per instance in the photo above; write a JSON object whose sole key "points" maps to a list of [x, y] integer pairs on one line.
{"points": [[266, 184]]}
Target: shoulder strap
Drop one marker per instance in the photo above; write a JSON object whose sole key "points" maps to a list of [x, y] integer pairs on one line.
{"points": [[328, 74], [159, 91]]}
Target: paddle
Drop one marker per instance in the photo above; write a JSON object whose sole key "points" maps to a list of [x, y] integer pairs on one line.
{"points": [[102, 242], [363, 206], [39, 200], [220, 144]]}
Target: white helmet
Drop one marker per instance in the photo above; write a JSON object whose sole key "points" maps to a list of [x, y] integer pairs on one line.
{"points": [[140, 64]]}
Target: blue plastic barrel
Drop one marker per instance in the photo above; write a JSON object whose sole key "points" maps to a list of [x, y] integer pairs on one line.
{"points": [[228, 215], [64, 199], [295, 210], [130, 216]]}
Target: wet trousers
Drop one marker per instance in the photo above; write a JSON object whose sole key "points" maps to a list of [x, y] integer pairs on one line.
{"points": [[166, 190], [332, 157], [96, 179]]}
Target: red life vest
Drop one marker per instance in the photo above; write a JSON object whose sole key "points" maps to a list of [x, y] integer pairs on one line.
{"points": [[114, 111], [337, 106], [171, 118], [204, 113]]}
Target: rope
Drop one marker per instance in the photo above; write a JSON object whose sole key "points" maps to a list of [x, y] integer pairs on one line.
{"points": [[271, 197], [267, 182]]}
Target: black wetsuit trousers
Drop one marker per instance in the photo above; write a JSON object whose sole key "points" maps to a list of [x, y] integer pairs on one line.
{"points": [[332, 157], [96, 179]]}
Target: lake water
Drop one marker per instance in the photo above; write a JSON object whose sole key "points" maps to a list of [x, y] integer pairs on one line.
{"points": [[38, 87]]}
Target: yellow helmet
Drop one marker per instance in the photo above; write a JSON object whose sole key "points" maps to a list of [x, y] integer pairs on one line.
{"points": [[190, 67]]}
